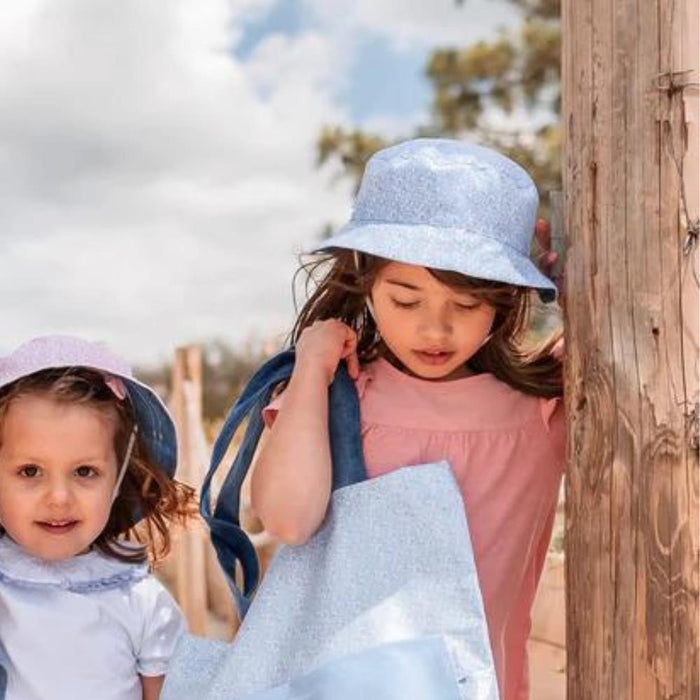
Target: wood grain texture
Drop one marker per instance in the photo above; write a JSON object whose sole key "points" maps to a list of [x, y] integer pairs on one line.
{"points": [[632, 380], [190, 546]]}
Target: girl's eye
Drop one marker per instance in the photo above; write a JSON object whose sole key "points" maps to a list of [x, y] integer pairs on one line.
{"points": [[469, 307], [405, 304], [29, 471], [86, 472]]}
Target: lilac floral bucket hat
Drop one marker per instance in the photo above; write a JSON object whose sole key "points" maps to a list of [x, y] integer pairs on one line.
{"points": [[449, 205], [155, 425]]}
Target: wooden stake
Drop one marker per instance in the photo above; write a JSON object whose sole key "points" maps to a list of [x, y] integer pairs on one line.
{"points": [[189, 554]]}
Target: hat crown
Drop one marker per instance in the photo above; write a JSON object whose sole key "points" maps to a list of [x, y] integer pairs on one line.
{"points": [[57, 351], [449, 184]]}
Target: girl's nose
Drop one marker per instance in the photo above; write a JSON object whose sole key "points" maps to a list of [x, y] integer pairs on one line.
{"points": [[436, 324], [59, 493]]}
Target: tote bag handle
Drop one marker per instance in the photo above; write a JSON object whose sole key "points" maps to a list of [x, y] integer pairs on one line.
{"points": [[232, 544]]}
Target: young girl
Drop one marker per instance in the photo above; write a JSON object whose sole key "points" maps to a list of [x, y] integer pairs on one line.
{"points": [[86, 453], [426, 295]]}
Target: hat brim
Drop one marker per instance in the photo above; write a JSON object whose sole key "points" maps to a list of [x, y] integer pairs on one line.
{"points": [[156, 427], [456, 250]]}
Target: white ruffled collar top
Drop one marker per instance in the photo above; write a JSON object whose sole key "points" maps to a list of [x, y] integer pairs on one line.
{"points": [[85, 573]]}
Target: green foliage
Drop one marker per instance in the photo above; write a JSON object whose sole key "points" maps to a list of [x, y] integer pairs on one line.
{"points": [[351, 148], [464, 79], [472, 84]]}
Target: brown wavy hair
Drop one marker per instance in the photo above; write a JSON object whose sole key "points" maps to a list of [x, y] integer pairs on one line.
{"points": [[145, 490], [338, 283]]}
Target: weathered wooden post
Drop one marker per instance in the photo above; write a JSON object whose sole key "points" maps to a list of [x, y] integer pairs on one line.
{"points": [[630, 74], [198, 582], [189, 552]]}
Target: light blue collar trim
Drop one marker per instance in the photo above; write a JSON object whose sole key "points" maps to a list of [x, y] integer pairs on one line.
{"points": [[86, 573]]}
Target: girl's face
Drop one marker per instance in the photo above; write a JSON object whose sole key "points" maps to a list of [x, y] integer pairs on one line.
{"points": [[430, 328], [58, 468]]}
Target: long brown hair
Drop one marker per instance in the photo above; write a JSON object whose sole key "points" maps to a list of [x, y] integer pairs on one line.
{"points": [[146, 493], [338, 283]]}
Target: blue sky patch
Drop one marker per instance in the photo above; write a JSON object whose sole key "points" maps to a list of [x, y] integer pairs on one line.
{"points": [[284, 17], [386, 81]]}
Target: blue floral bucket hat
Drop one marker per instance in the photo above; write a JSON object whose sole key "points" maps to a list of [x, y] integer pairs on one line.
{"points": [[155, 425], [448, 205]]}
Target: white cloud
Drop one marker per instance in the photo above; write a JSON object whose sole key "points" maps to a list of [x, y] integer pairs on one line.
{"points": [[154, 193], [410, 26], [278, 58], [417, 22], [155, 188]]}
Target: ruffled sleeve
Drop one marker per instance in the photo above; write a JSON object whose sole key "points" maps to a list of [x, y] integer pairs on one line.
{"points": [[269, 413], [163, 625], [554, 418], [363, 380]]}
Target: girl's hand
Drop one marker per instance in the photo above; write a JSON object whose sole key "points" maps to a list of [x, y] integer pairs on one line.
{"points": [[324, 344], [546, 261], [548, 258]]}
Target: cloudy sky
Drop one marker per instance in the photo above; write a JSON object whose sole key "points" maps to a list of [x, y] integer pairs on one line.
{"points": [[157, 174]]}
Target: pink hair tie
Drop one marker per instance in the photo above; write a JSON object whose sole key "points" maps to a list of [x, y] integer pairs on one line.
{"points": [[116, 386]]}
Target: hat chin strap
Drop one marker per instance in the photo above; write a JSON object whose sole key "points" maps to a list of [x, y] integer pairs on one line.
{"points": [[370, 307], [125, 462], [368, 298], [485, 340]]}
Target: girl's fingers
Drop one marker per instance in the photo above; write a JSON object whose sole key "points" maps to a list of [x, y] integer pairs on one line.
{"points": [[543, 233], [350, 353], [350, 342], [546, 260], [353, 365], [330, 341]]}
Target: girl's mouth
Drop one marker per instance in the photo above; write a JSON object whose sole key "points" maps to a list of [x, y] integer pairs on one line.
{"points": [[57, 527], [433, 357]]}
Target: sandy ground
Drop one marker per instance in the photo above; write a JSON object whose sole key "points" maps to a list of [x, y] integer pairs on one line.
{"points": [[548, 638], [547, 671]]}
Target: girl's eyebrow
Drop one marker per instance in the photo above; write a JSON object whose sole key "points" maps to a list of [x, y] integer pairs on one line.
{"points": [[399, 283], [415, 288]]}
